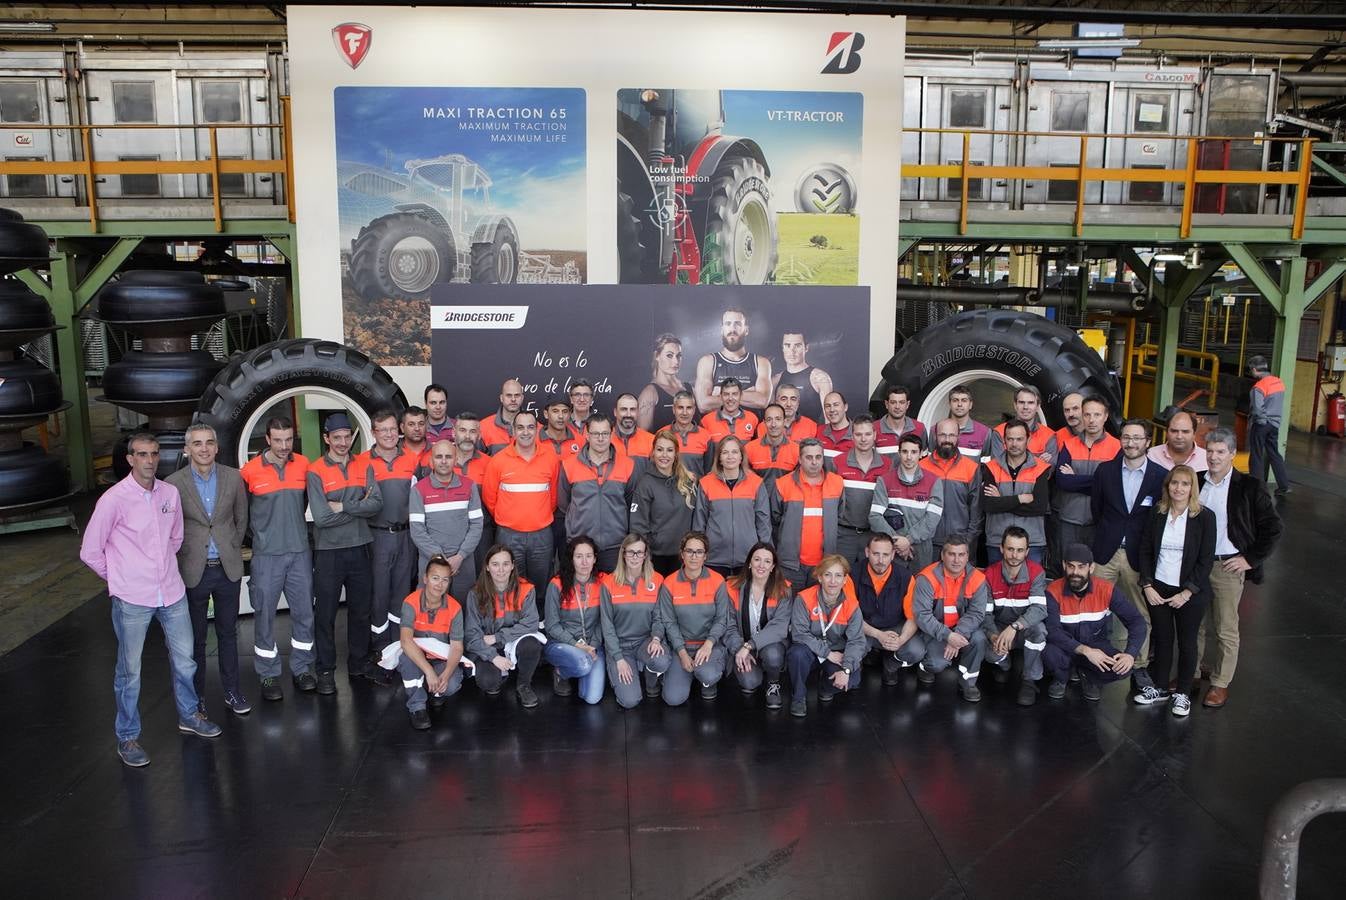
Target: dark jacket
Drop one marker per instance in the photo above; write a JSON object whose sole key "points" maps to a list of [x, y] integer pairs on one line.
{"points": [[1253, 524], [883, 610], [659, 513], [1198, 551], [1112, 521]]}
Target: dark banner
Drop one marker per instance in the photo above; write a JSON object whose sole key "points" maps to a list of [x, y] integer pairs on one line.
{"points": [[649, 340]]}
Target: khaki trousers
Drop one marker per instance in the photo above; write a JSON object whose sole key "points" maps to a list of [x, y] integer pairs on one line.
{"points": [[1118, 570], [1223, 616]]}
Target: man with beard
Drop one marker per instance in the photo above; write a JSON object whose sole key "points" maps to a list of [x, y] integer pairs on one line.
{"points": [[1080, 611], [948, 602], [470, 463], [627, 438], [497, 432], [814, 384], [751, 370], [412, 423], [797, 426], [960, 484], [558, 431]]}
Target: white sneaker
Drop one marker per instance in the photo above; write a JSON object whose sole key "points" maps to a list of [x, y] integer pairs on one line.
{"points": [[1181, 705], [1149, 695]]}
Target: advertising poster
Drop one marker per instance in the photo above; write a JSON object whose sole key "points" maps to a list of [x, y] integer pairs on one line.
{"points": [[738, 187], [452, 186], [647, 340]]}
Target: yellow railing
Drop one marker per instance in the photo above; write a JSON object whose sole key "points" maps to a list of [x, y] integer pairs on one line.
{"points": [[90, 169], [1082, 174], [1207, 378]]}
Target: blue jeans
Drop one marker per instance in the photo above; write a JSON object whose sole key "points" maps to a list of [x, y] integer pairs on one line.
{"points": [[572, 662], [130, 622]]}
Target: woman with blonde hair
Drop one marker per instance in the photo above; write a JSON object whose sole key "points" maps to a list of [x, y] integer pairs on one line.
{"points": [[632, 636], [662, 501], [826, 633], [1177, 549], [656, 398]]}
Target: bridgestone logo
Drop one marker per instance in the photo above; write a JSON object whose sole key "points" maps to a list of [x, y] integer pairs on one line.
{"points": [[1012, 358], [489, 317]]}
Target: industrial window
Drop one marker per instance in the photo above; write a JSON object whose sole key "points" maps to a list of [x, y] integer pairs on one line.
{"points": [[139, 185], [1064, 191], [232, 184], [974, 185], [19, 102], [221, 101], [1151, 114], [25, 185], [132, 102], [967, 109], [1145, 191], [1070, 111]]}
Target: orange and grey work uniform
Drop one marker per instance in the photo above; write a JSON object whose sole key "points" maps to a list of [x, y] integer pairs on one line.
{"points": [[692, 612], [915, 506], [943, 604], [853, 526], [742, 426], [1072, 499], [836, 443], [1020, 603], [1266, 407], [806, 523], [521, 495], [595, 500], [281, 560], [629, 612], [960, 490], [446, 521], [394, 555], [475, 471], [772, 460], [341, 556], [694, 449], [817, 630], [733, 517], [518, 637], [767, 629], [1032, 477], [496, 433], [638, 445], [571, 620], [434, 631], [1041, 439]]}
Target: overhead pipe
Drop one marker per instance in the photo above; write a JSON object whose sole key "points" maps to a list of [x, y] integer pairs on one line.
{"points": [[1012, 296]]}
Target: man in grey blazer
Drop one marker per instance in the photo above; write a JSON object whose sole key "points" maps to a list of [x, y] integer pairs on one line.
{"points": [[215, 519]]}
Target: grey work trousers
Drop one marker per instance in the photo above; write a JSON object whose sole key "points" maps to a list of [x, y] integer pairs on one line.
{"points": [[273, 573], [394, 557]]}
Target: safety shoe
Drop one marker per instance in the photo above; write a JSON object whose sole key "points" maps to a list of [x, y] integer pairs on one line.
{"points": [[1181, 705], [826, 690], [651, 684], [971, 693], [560, 686], [1028, 694], [1090, 689], [527, 696], [237, 703], [710, 691], [799, 707], [200, 726], [305, 682], [892, 671], [924, 675], [271, 688], [773, 697], [326, 683], [380, 676], [132, 753], [1149, 695], [1056, 690], [437, 701], [999, 675], [420, 720]]}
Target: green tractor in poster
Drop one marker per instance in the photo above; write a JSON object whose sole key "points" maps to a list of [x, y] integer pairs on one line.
{"points": [[693, 204]]}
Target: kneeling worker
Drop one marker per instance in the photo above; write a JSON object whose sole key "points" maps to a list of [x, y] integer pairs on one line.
{"points": [[949, 604], [881, 587], [1017, 613], [1079, 615], [432, 643]]}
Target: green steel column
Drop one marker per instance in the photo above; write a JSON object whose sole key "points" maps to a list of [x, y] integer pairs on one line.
{"points": [[1165, 364], [78, 434], [1286, 347]]}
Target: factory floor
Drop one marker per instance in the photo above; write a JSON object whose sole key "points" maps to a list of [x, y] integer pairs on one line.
{"points": [[890, 791]]}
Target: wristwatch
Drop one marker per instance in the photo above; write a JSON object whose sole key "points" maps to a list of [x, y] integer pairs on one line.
{"points": [[847, 670], [1017, 626]]}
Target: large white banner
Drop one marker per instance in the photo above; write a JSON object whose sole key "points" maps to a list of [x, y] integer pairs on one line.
{"points": [[438, 146]]}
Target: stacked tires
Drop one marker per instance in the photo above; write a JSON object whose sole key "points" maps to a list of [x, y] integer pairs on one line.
{"points": [[29, 391], [165, 379]]}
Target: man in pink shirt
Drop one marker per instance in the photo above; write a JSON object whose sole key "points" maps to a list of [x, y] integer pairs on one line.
{"points": [[132, 542], [1180, 446]]}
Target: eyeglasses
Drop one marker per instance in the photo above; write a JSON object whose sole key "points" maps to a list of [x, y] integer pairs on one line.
{"points": [[633, 552], [690, 552]]}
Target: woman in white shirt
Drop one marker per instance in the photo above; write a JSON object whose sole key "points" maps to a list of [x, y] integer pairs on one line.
{"points": [[1176, 553]]}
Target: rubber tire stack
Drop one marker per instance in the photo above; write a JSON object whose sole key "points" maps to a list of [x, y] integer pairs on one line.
{"points": [[29, 391], [166, 378]]}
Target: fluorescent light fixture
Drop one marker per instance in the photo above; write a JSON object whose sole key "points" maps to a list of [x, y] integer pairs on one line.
{"points": [[1169, 256], [1088, 43], [27, 26]]}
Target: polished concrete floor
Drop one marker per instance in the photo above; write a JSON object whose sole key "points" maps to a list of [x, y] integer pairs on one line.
{"points": [[890, 792]]}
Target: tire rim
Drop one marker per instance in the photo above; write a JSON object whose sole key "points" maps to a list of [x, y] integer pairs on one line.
{"points": [[504, 263], [414, 264], [752, 242], [935, 406], [338, 399]]}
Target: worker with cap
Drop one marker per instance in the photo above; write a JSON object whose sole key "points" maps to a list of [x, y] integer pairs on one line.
{"points": [[1080, 611]]}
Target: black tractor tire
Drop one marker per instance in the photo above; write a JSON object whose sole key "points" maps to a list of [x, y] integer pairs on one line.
{"points": [[160, 384], [141, 297], [381, 271], [1008, 346], [251, 380], [496, 262], [28, 389], [740, 223], [23, 315], [27, 475], [161, 276], [23, 245], [172, 455]]}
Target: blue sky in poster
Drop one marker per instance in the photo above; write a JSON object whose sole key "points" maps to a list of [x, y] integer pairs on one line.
{"points": [[541, 184]]}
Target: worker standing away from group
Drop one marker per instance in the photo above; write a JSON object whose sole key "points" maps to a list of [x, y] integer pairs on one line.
{"points": [[1265, 409], [214, 523], [343, 495], [394, 555], [132, 542], [520, 492]]}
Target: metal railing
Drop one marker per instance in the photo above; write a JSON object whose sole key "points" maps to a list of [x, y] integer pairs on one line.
{"points": [[89, 169], [1083, 174], [1285, 825], [1207, 378]]}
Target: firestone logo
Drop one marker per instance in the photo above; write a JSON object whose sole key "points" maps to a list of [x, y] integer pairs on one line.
{"points": [[352, 41], [843, 53]]}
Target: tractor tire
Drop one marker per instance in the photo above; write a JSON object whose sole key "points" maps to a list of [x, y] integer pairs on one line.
{"points": [[23, 315], [161, 276], [498, 261], [160, 298], [27, 475], [740, 237], [22, 244], [172, 455], [401, 257], [254, 381], [28, 389], [160, 384], [1013, 348]]}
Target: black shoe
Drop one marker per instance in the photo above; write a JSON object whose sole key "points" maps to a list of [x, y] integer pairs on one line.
{"points": [[1028, 693], [237, 703], [437, 701], [651, 684], [1282, 490], [773, 696], [924, 675], [1090, 689], [971, 693], [710, 691], [799, 708], [826, 692], [892, 674], [1056, 690], [305, 682], [326, 683], [527, 696], [999, 675], [271, 687], [420, 720], [380, 676], [1074, 676], [494, 692], [561, 687]]}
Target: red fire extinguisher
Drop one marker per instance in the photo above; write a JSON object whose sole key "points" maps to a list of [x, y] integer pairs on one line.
{"points": [[1336, 414]]}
